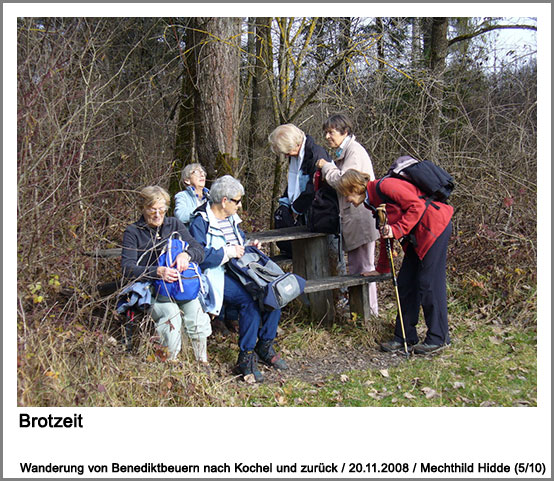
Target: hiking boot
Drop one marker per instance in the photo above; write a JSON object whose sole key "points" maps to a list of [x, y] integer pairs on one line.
{"points": [[218, 326], [247, 365], [394, 346], [232, 325], [425, 348], [267, 354]]}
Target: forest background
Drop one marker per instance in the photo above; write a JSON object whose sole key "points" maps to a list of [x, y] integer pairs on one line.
{"points": [[107, 105]]}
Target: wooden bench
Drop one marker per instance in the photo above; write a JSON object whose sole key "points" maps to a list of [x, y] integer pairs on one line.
{"points": [[310, 260]]}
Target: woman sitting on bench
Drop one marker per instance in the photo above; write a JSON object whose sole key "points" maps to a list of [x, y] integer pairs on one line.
{"points": [[143, 242], [215, 227]]}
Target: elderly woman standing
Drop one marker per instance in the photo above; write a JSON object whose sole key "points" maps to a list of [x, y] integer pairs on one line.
{"points": [[143, 242], [358, 229], [424, 230], [215, 227], [303, 154], [195, 193]]}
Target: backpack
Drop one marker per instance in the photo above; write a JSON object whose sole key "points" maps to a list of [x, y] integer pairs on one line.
{"points": [[323, 214], [283, 218], [190, 283], [264, 280], [433, 180]]}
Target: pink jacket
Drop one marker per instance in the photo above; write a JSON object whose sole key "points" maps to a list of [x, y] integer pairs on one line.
{"points": [[358, 228]]}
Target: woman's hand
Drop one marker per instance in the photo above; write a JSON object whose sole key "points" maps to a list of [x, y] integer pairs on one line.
{"points": [[370, 273], [386, 232], [234, 251], [320, 163], [167, 274], [181, 262]]}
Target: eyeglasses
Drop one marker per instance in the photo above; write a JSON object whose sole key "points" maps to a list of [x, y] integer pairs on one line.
{"points": [[199, 173], [161, 210], [236, 201]]}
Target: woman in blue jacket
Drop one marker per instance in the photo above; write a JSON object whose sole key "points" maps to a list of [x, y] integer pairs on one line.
{"points": [[195, 193], [215, 227]]}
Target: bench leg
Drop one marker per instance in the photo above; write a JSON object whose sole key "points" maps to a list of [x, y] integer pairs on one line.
{"points": [[358, 297], [310, 259]]}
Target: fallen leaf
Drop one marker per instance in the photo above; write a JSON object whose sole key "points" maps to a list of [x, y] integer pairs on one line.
{"points": [[384, 372], [101, 388], [408, 395], [429, 392], [343, 378], [249, 379], [458, 385], [495, 340], [279, 398]]}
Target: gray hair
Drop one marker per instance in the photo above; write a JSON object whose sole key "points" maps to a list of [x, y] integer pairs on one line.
{"points": [[226, 186], [285, 138], [188, 170]]}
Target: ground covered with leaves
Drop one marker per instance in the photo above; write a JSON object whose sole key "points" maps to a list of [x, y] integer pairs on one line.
{"points": [[492, 360]]}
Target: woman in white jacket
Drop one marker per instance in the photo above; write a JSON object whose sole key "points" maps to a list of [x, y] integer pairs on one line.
{"points": [[358, 228]]}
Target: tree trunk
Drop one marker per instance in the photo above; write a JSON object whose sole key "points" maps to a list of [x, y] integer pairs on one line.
{"points": [[380, 43], [438, 46], [184, 140], [216, 93], [261, 119], [416, 42]]}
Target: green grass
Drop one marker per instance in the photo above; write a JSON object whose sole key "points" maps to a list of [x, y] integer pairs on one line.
{"points": [[492, 362], [474, 371]]}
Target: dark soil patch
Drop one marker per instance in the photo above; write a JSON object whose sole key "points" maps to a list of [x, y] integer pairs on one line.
{"points": [[333, 363]]}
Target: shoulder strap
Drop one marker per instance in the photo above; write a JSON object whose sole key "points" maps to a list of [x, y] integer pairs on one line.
{"points": [[385, 198]]}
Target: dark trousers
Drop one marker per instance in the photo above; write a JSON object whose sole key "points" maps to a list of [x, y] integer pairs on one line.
{"points": [[253, 324], [422, 283]]}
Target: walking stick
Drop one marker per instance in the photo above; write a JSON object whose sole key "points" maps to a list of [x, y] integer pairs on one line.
{"points": [[382, 218]]}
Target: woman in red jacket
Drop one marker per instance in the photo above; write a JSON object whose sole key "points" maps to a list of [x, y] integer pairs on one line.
{"points": [[423, 228]]}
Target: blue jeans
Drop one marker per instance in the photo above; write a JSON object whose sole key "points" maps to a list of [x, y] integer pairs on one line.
{"points": [[253, 324]]}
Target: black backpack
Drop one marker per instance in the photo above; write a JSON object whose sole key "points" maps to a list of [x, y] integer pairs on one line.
{"points": [[434, 181], [323, 214]]}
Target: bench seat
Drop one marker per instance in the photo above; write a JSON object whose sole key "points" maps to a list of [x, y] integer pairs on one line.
{"points": [[339, 282]]}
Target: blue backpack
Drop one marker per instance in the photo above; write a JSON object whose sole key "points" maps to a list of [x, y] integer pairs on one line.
{"points": [[264, 280], [189, 284]]}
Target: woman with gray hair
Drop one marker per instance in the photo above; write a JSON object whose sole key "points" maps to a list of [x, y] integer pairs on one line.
{"points": [[298, 196], [143, 242], [303, 154], [195, 193], [215, 227], [358, 229]]}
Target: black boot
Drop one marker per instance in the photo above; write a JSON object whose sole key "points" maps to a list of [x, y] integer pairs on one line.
{"points": [[267, 354], [247, 364]]}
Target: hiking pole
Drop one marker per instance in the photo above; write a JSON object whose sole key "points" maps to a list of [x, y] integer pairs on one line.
{"points": [[382, 218]]}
